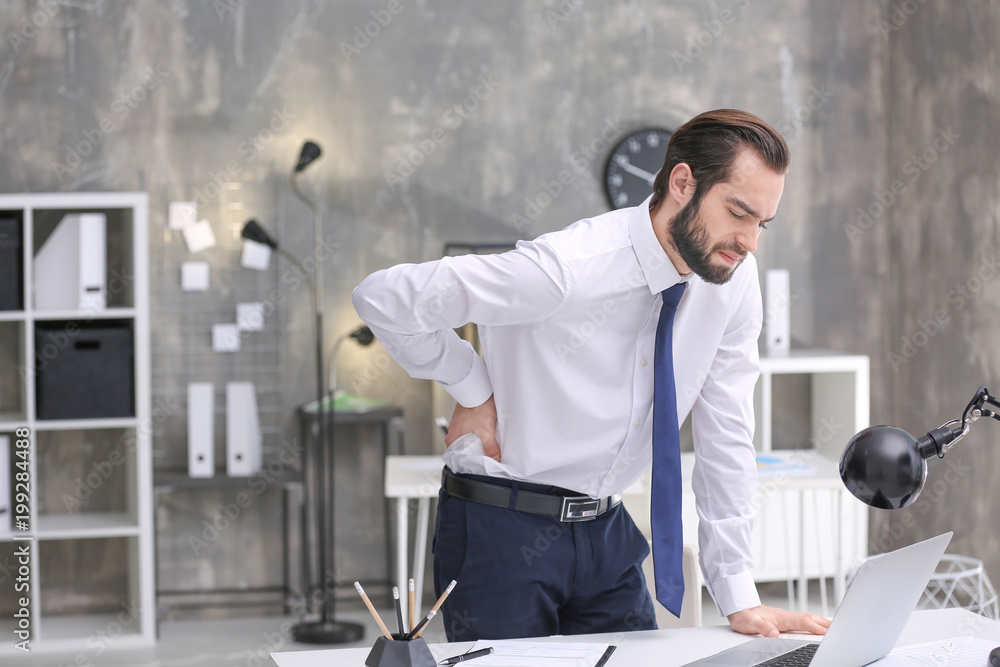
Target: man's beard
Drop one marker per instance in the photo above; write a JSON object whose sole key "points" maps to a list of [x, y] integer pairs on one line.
{"points": [[690, 238]]}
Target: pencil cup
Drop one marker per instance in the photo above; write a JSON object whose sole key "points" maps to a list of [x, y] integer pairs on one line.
{"points": [[400, 653]]}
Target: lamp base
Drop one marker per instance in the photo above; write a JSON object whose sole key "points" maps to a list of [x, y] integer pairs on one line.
{"points": [[330, 632]]}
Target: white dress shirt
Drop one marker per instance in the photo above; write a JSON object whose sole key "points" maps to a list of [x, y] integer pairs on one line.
{"points": [[567, 325]]}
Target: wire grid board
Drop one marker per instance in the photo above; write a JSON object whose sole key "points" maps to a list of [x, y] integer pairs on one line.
{"points": [[181, 321]]}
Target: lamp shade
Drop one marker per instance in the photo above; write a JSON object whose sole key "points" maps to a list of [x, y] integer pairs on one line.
{"points": [[252, 231], [310, 151], [363, 335], [883, 467]]}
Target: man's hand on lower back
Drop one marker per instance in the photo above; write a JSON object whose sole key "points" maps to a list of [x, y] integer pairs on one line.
{"points": [[770, 621], [481, 420]]}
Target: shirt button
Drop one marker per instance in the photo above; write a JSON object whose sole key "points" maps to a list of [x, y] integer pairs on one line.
{"points": [[642, 362], [637, 422]]}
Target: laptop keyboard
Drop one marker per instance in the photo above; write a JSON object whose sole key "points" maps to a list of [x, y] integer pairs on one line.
{"points": [[800, 657]]}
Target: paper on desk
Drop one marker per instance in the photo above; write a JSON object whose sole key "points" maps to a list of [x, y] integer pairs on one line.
{"points": [[955, 652], [539, 654]]}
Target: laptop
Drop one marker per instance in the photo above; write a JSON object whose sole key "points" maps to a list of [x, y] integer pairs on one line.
{"points": [[868, 622]]}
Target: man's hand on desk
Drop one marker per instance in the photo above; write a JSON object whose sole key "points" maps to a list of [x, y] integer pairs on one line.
{"points": [[770, 621], [481, 420]]}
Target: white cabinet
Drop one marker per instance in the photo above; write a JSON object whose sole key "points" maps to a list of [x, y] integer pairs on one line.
{"points": [[88, 577], [807, 525]]}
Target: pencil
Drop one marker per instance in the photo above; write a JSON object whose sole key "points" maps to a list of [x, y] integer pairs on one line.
{"points": [[399, 609], [371, 608], [413, 602], [447, 592], [423, 624]]}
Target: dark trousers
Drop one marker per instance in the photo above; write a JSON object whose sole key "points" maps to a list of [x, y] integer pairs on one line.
{"points": [[525, 575]]}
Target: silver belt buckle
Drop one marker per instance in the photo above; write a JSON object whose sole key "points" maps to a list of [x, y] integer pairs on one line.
{"points": [[579, 509]]}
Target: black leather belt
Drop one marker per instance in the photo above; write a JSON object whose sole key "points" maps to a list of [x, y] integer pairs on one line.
{"points": [[564, 508]]}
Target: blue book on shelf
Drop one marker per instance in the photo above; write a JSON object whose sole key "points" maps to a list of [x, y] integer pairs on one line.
{"points": [[769, 464]]}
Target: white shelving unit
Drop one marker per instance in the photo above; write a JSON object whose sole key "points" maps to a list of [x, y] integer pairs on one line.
{"points": [[807, 525], [114, 519], [839, 407]]}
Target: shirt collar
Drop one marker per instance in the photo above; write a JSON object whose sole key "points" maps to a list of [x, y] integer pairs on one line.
{"points": [[656, 266]]}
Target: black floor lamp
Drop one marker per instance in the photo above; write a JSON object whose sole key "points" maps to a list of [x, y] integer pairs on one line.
{"points": [[327, 630]]}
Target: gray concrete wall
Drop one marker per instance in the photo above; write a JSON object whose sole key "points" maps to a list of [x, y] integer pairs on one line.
{"points": [[510, 94], [941, 295]]}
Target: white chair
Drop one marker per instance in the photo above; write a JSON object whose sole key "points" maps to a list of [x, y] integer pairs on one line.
{"points": [[636, 501], [691, 604]]}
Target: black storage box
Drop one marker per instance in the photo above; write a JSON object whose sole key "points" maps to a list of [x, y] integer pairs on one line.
{"points": [[11, 265], [84, 370]]}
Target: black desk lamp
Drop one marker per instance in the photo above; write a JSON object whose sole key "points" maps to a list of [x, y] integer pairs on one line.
{"points": [[885, 467], [363, 336], [326, 630]]}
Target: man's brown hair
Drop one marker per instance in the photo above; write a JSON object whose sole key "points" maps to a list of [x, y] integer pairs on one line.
{"points": [[709, 144]]}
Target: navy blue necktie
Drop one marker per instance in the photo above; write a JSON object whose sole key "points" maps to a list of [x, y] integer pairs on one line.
{"points": [[665, 513]]}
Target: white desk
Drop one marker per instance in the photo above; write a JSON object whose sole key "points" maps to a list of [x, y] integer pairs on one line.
{"points": [[409, 477], [676, 647], [775, 527]]}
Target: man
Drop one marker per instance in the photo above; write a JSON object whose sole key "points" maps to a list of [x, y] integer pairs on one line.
{"points": [[561, 404]]}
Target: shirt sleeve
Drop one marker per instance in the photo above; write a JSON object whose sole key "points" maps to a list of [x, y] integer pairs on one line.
{"points": [[413, 310], [725, 474]]}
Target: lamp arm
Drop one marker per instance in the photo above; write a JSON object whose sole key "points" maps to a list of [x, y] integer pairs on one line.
{"points": [[298, 265], [975, 409], [331, 373], [317, 241], [943, 438]]}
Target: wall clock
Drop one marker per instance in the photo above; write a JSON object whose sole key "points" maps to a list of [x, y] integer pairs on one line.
{"points": [[632, 166]]}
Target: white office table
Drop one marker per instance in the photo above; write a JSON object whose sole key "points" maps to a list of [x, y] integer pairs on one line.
{"points": [[409, 477], [671, 648], [823, 475]]}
